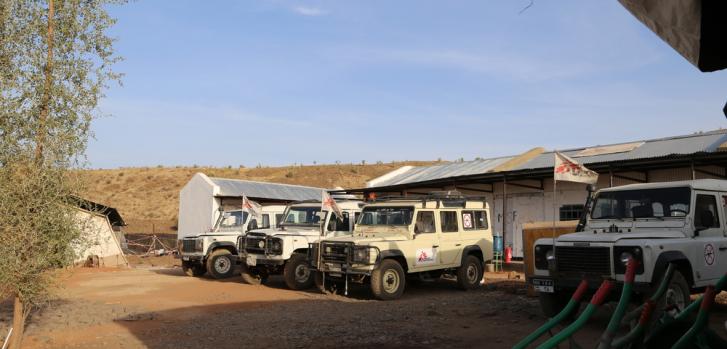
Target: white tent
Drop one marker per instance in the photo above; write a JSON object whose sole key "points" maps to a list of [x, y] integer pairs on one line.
{"points": [[99, 237], [202, 196]]}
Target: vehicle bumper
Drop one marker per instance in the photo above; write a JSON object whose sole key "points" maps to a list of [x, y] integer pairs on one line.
{"points": [[548, 284], [190, 257], [261, 260]]}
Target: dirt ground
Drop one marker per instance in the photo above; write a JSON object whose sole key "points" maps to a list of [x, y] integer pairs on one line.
{"points": [[158, 307]]}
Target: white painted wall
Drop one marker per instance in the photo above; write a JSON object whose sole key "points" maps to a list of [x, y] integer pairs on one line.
{"points": [[197, 206], [98, 239]]}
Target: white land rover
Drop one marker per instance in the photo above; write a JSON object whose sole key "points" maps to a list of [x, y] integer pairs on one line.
{"points": [[655, 223], [215, 251], [284, 249]]}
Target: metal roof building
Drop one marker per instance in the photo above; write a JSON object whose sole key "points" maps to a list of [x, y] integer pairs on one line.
{"points": [[519, 188]]}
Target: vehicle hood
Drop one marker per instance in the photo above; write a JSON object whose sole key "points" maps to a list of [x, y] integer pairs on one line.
{"points": [[614, 237], [287, 232]]}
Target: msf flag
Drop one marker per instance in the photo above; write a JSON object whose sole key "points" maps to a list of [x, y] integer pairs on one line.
{"points": [[328, 204], [567, 169], [251, 207]]}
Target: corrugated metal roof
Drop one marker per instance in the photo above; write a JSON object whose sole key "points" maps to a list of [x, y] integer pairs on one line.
{"points": [[705, 142], [271, 191], [427, 173]]}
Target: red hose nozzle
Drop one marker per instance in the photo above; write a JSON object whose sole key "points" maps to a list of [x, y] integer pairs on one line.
{"points": [[602, 292]]}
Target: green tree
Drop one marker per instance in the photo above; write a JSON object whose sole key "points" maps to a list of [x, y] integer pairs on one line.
{"points": [[55, 63]]}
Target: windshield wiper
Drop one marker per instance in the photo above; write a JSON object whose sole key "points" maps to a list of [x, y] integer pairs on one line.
{"points": [[610, 217]]}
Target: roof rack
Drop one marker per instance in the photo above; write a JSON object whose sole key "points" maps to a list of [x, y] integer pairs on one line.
{"points": [[452, 197]]}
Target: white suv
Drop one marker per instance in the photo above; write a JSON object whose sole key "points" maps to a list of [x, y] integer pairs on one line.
{"points": [[284, 250], [656, 223]]}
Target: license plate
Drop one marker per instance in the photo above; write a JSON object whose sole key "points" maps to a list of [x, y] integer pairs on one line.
{"points": [[543, 285], [185, 258], [251, 261]]}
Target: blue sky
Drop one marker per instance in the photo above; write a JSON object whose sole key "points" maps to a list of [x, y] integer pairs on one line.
{"points": [[280, 82]]}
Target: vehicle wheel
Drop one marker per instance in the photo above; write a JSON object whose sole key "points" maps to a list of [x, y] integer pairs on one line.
{"points": [[388, 280], [221, 264], [252, 276], [297, 272], [469, 273], [193, 269], [552, 303], [676, 297]]}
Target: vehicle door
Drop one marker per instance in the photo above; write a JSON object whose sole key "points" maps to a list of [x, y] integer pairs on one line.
{"points": [[450, 241], [709, 247], [425, 252]]}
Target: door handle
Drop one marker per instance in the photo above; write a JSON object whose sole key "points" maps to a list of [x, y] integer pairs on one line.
{"points": [[435, 246], [458, 245], [722, 248]]}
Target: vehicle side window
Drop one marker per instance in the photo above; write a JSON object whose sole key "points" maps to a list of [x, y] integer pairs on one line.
{"points": [[481, 220], [424, 223], [449, 221], [468, 220], [266, 221], [706, 209], [335, 224], [278, 219]]}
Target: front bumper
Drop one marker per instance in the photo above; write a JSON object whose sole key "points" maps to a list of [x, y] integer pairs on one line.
{"points": [[261, 260], [339, 258], [569, 283], [190, 257]]}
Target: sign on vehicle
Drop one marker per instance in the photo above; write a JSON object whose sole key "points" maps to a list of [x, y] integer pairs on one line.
{"points": [[543, 285]]}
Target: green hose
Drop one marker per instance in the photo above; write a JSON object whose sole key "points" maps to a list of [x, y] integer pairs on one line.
{"points": [[613, 325], [700, 323], [573, 303], [656, 296], [718, 287], [596, 302]]}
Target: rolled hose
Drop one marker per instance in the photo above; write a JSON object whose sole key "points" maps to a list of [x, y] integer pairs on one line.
{"points": [[573, 303], [596, 302], [700, 323]]}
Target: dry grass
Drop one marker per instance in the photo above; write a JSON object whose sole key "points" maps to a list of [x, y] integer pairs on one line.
{"points": [[148, 198]]}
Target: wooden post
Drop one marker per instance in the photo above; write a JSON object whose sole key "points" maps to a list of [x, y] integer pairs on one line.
{"points": [[18, 324]]}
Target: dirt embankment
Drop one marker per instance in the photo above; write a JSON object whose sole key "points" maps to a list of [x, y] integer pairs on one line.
{"points": [[148, 198]]}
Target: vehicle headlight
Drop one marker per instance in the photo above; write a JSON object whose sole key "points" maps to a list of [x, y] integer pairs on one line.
{"points": [[329, 249], [199, 244], [364, 255], [544, 255], [621, 256], [261, 244]]}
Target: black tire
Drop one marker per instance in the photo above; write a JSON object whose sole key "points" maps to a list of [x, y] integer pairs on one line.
{"points": [[388, 280], [221, 264], [552, 303], [676, 297], [252, 276], [297, 272], [193, 269], [470, 273]]}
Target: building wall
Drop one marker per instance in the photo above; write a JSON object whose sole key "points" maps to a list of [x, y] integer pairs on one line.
{"points": [[98, 239]]}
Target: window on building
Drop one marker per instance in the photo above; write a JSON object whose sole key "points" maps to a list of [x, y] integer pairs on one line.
{"points": [[571, 212], [449, 221]]}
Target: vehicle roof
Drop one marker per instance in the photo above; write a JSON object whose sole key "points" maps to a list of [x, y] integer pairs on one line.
{"points": [[418, 202], [343, 204], [700, 184]]}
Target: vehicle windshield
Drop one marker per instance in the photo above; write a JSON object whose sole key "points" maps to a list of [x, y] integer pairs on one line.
{"points": [[311, 215], [387, 215], [233, 219], [645, 203]]}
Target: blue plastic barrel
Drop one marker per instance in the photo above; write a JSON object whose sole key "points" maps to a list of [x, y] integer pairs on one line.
{"points": [[497, 243]]}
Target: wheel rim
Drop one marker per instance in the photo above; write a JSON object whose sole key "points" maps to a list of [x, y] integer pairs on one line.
{"points": [[302, 273], [222, 265], [675, 297], [472, 273], [391, 281]]}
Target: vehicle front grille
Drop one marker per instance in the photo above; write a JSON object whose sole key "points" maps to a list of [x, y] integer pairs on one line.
{"points": [[592, 260], [188, 245], [332, 252], [252, 244]]}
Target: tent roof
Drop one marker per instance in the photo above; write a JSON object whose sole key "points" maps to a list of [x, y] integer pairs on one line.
{"points": [[263, 190], [113, 214]]}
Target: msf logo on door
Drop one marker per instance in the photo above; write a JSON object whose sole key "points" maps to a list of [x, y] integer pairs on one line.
{"points": [[426, 256]]}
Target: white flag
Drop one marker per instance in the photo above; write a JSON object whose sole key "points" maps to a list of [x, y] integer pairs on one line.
{"points": [[567, 169], [251, 207], [328, 204]]}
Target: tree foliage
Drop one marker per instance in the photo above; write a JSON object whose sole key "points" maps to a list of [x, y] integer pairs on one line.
{"points": [[55, 63]]}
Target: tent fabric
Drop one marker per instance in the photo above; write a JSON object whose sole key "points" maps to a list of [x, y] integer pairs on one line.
{"points": [[98, 239]]}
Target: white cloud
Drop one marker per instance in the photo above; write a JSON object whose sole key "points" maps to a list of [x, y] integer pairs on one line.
{"points": [[309, 11]]}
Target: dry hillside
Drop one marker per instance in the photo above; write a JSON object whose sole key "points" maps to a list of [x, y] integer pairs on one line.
{"points": [[148, 197]]}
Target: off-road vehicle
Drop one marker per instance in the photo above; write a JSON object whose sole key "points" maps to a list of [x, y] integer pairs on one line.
{"points": [[284, 250], [422, 237], [656, 224], [215, 252]]}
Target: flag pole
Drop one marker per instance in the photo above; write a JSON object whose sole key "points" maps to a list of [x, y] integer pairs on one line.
{"points": [[555, 206]]}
